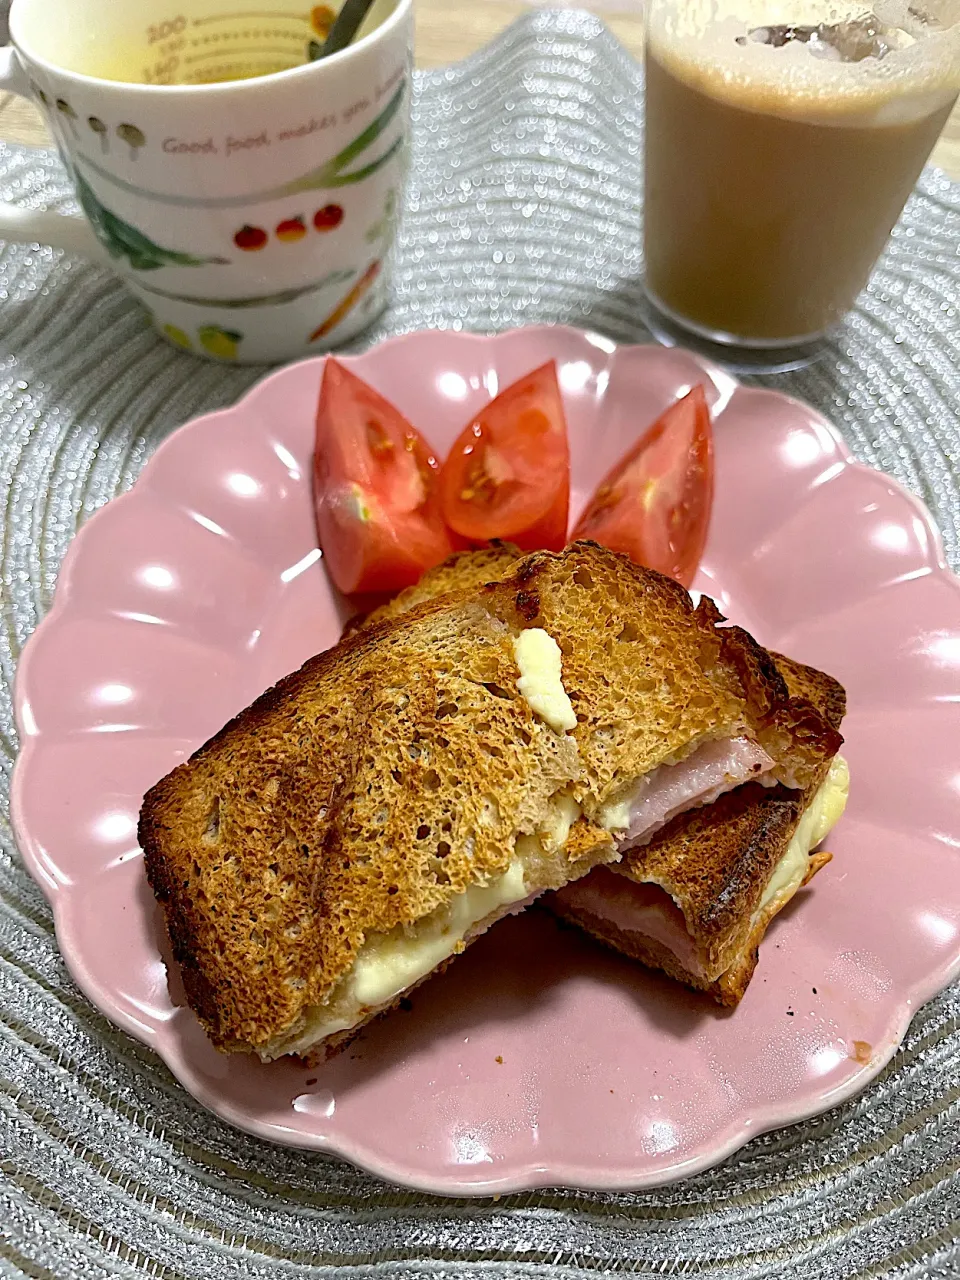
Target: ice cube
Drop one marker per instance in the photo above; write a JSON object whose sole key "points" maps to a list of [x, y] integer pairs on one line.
{"points": [[852, 41]]}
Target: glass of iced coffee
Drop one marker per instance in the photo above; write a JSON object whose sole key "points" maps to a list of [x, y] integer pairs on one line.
{"points": [[782, 140]]}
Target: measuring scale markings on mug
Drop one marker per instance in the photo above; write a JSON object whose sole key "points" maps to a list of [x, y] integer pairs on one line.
{"points": [[255, 170], [327, 176], [171, 39]]}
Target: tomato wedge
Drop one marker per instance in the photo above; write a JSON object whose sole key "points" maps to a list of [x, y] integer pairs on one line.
{"points": [[375, 489], [508, 473], [654, 506]]}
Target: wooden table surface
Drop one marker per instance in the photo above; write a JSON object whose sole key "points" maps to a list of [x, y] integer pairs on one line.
{"points": [[450, 29]]}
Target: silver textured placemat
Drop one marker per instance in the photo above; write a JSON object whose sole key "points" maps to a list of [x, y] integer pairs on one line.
{"points": [[524, 206]]}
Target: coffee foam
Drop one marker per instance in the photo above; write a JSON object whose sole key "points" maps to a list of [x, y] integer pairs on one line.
{"points": [[706, 44]]}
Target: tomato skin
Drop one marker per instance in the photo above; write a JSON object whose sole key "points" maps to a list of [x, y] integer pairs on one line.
{"points": [[508, 472], [655, 504], [375, 489], [549, 533]]}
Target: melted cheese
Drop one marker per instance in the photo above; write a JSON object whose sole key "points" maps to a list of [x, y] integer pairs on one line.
{"points": [[382, 971], [389, 963], [820, 815], [564, 811], [387, 966], [540, 683], [615, 814]]}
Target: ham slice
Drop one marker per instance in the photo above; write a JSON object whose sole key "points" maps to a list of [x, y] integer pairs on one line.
{"points": [[646, 910], [643, 910], [705, 775]]}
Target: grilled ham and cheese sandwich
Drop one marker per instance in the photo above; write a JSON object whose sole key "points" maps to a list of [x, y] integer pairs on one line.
{"points": [[368, 817]]}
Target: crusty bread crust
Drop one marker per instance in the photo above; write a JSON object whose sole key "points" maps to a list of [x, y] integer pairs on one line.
{"points": [[786, 721], [727, 990], [714, 863], [584, 844], [651, 676], [463, 571]]}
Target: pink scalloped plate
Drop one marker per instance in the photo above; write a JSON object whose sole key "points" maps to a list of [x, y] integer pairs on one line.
{"points": [[538, 1059]]}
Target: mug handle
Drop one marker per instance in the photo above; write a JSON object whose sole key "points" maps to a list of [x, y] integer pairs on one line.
{"points": [[20, 225]]}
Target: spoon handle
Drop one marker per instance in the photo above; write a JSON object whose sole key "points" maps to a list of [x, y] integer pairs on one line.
{"points": [[345, 26]]}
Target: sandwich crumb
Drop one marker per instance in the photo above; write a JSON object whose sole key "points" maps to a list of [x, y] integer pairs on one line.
{"points": [[862, 1051], [499, 1058]]}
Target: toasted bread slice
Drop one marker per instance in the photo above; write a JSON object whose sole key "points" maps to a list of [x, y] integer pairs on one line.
{"points": [[653, 678], [697, 899], [344, 836], [462, 571], [642, 684]]}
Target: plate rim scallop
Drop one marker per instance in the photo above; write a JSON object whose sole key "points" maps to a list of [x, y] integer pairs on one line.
{"points": [[517, 1175]]}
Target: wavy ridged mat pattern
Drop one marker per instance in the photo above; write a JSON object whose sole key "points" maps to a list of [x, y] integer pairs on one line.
{"points": [[523, 206]]}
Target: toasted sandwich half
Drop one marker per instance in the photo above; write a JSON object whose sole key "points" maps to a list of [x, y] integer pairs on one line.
{"points": [[357, 826], [368, 817], [697, 899]]}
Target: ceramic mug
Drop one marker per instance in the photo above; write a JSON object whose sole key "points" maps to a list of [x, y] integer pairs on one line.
{"points": [[247, 196]]}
